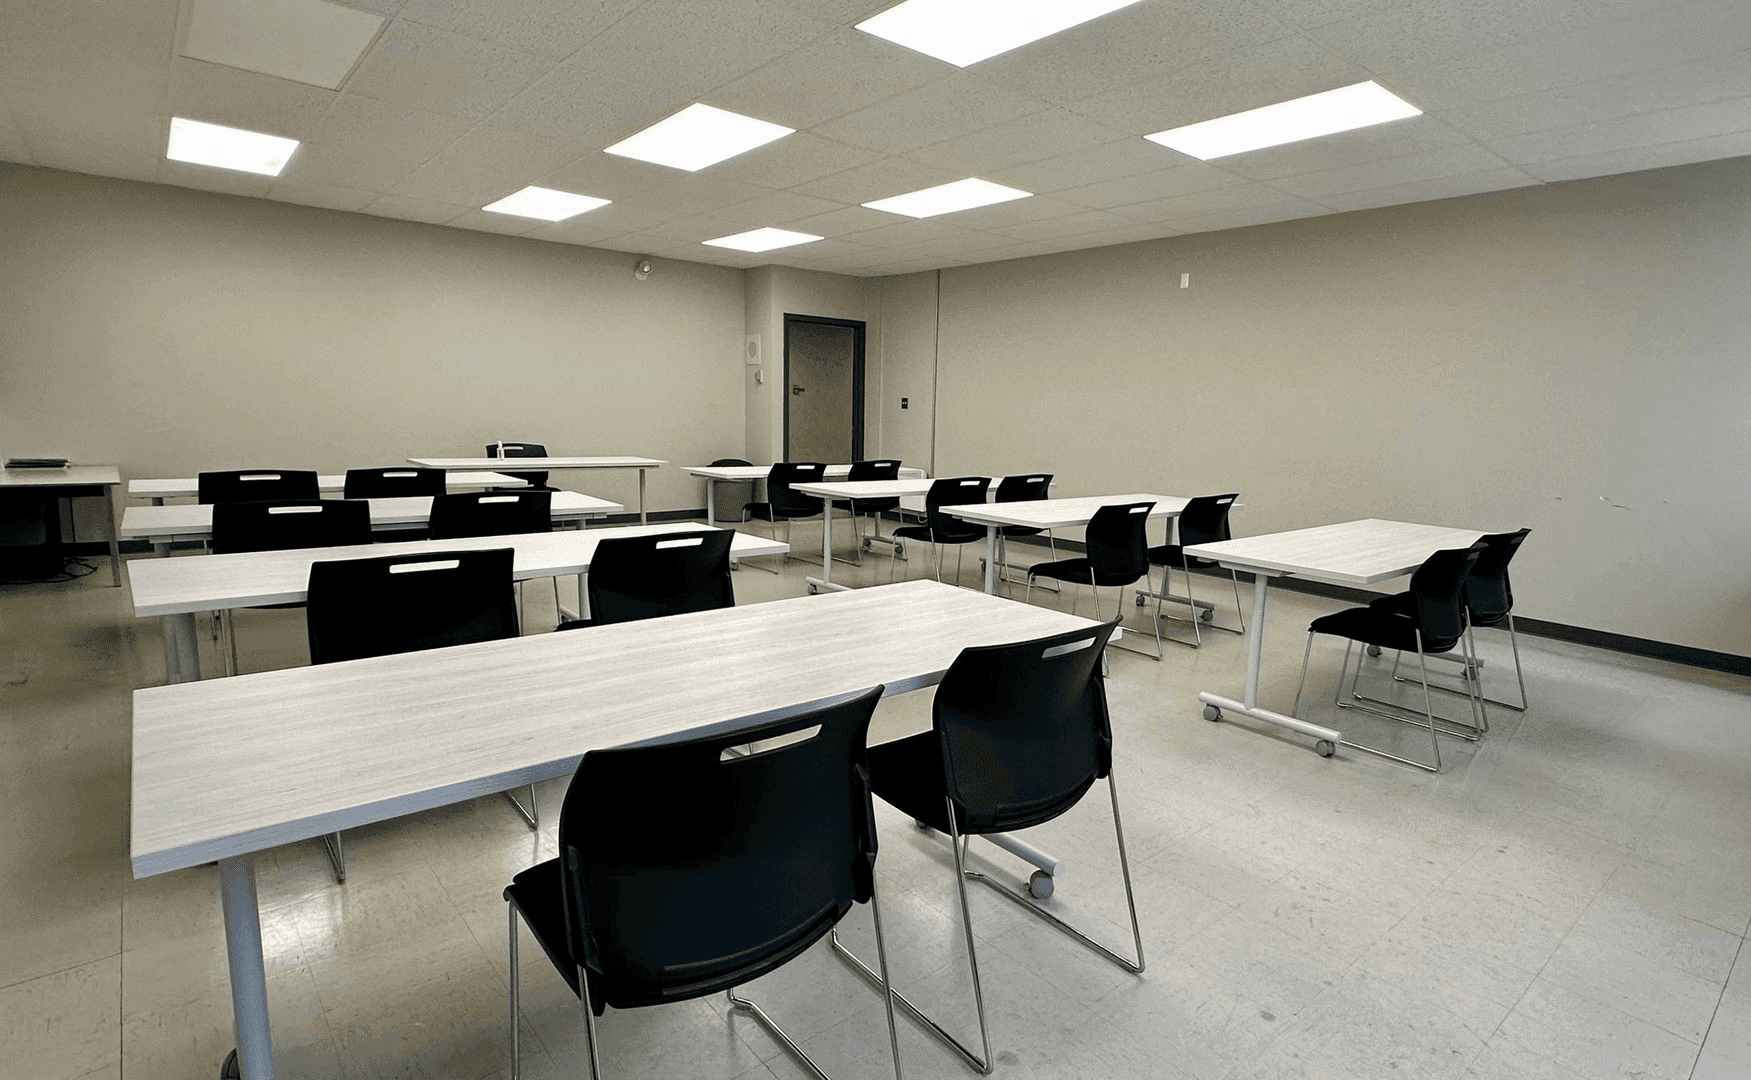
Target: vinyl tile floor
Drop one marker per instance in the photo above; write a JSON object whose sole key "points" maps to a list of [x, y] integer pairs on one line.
{"points": [[1568, 900]]}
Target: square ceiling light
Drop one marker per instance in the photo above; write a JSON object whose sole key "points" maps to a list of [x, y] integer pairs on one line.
{"points": [[697, 136], [1345, 109], [227, 147], [948, 198], [545, 204], [763, 240], [307, 41], [964, 32]]}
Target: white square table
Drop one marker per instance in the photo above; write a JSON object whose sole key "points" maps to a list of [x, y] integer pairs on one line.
{"points": [[1361, 552], [72, 482], [308, 751], [548, 464]]}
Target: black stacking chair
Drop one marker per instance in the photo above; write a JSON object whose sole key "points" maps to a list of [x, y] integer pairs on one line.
{"points": [[393, 482], [404, 603], [282, 525], [783, 504], [1203, 521], [741, 864], [1435, 623], [1026, 487], [1020, 733], [873, 469], [940, 528], [646, 577], [465, 514], [1489, 602], [746, 489], [504, 449], [1116, 541], [256, 485]]}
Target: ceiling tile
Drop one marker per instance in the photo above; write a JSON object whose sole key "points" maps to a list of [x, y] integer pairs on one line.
{"points": [[952, 106], [330, 168], [1246, 217], [1027, 138], [793, 160], [780, 208], [970, 243], [1243, 196], [1110, 161], [808, 86], [1708, 120], [588, 101], [622, 218], [443, 72], [365, 128], [903, 232], [1180, 179], [852, 219], [1454, 161], [693, 230], [604, 176], [115, 49], [1635, 159], [1445, 187], [696, 193], [1015, 212], [877, 180], [222, 95], [578, 230], [1134, 233], [1401, 138], [326, 196], [1083, 221], [80, 134], [551, 28], [413, 208], [488, 163]]}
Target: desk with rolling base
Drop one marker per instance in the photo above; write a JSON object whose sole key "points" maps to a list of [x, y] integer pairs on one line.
{"points": [[303, 752], [848, 491], [547, 464], [1351, 553], [1052, 514]]}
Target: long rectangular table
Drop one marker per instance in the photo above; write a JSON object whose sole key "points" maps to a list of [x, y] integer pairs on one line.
{"points": [[847, 491], [716, 474], [163, 525], [331, 485], [303, 752], [548, 464], [1363, 552], [174, 590], [1051, 514], [74, 482]]}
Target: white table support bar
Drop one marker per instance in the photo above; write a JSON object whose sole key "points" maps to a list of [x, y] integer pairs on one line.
{"points": [[249, 988], [1255, 643]]}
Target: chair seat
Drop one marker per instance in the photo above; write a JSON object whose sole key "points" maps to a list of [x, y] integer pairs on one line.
{"points": [[761, 511], [907, 773], [1077, 570], [1377, 626], [1174, 555], [536, 894], [940, 536], [1404, 603]]}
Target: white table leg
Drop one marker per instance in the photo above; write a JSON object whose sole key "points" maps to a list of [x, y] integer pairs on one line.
{"points": [[991, 559], [115, 550], [825, 581], [710, 502], [641, 517], [182, 659], [249, 987], [1216, 704]]}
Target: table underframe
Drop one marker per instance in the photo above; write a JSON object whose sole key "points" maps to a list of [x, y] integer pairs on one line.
{"points": [[1328, 738]]}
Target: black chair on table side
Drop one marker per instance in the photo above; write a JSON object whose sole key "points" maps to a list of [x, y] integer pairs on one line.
{"points": [[647, 577], [744, 862], [1489, 603], [1435, 623], [404, 603], [940, 528], [1025, 487], [505, 512], [783, 504], [1203, 521], [256, 485], [283, 525], [1019, 734], [506, 449], [393, 482], [727, 461], [1116, 541], [873, 469]]}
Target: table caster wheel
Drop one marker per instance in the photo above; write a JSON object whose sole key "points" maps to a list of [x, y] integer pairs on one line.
{"points": [[1139, 598], [899, 550], [1212, 713], [920, 826], [230, 1070], [1373, 650], [1040, 885], [1325, 748], [1206, 614]]}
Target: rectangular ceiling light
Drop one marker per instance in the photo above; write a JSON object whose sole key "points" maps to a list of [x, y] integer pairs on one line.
{"points": [[964, 32], [763, 240], [228, 147], [1344, 109], [947, 198], [697, 136], [545, 204]]}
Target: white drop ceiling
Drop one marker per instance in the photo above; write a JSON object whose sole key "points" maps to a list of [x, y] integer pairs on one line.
{"points": [[458, 103]]}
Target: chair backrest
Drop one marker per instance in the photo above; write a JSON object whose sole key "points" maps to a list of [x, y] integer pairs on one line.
{"points": [[1023, 487], [393, 482], [403, 603], [1117, 543], [730, 461], [644, 577], [1488, 595], [506, 449], [1024, 728], [786, 503], [875, 469], [953, 491], [1205, 519], [283, 524], [688, 868], [491, 513], [1437, 590], [255, 485]]}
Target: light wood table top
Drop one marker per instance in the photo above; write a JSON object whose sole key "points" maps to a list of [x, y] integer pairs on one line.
{"points": [[1059, 513], [256, 578], [70, 476], [189, 486], [1350, 553], [848, 490], [194, 521], [758, 472], [537, 464], [306, 751]]}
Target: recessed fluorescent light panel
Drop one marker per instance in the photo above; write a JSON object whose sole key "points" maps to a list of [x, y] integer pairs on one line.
{"points": [[763, 240], [964, 32], [1344, 109], [947, 198], [545, 204], [697, 136], [228, 147]]}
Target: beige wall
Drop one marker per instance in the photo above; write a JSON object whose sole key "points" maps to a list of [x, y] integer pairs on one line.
{"points": [[1570, 358], [168, 331], [773, 293]]}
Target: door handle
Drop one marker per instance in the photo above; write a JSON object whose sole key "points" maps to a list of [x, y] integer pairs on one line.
{"points": [[797, 389]]}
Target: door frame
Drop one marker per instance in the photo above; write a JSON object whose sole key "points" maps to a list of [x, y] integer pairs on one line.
{"points": [[858, 332]]}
